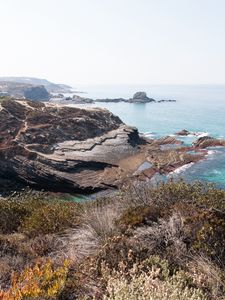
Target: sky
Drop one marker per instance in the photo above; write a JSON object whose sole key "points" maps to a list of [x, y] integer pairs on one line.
{"points": [[114, 41]]}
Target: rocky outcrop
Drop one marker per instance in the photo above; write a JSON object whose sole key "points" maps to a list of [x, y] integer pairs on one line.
{"points": [[37, 93], [168, 140], [63, 148], [75, 99], [81, 100], [183, 132], [141, 97], [208, 141]]}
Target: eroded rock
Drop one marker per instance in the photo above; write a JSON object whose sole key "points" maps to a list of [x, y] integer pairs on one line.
{"points": [[207, 141]]}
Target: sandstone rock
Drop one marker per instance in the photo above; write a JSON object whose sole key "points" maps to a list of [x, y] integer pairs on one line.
{"points": [[207, 141], [168, 140]]}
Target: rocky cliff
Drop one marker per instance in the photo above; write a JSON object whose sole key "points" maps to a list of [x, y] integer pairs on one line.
{"points": [[63, 148]]}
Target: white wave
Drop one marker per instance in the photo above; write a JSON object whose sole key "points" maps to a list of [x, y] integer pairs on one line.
{"points": [[201, 134], [211, 152], [148, 134], [181, 169], [198, 134], [217, 172]]}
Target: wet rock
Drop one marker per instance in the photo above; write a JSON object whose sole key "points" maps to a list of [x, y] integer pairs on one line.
{"points": [[165, 100], [183, 132]]}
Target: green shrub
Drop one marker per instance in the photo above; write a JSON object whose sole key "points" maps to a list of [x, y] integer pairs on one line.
{"points": [[36, 214], [53, 217], [12, 213], [139, 215]]}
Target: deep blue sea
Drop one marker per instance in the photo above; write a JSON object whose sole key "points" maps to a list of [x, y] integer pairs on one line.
{"points": [[199, 108]]}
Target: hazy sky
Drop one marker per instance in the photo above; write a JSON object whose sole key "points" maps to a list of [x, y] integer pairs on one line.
{"points": [[114, 41]]}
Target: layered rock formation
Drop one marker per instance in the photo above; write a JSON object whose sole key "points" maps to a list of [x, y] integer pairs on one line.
{"points": [[63, 148], [207, 141]]}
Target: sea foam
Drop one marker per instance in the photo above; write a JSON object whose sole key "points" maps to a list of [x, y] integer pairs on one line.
{"points": [[181, 169]]}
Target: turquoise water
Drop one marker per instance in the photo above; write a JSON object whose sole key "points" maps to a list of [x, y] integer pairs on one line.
{"points": [[199, 108]]}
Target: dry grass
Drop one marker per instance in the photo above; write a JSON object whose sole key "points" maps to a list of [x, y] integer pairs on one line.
{"points": [[164, 235]]}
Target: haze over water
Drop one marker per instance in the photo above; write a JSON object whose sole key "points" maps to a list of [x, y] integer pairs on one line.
{"points": [[199, 108]]}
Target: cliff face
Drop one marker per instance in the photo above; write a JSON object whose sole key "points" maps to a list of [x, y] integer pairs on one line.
{"points": [[62, 148]]}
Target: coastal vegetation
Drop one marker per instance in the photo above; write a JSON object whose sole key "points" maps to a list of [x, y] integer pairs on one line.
{"points": [[145, 242]]}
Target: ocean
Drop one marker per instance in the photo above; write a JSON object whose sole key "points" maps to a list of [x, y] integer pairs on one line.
{"points": [[199, 108]]}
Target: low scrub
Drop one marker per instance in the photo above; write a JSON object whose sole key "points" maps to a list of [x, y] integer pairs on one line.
{"points": [[35, 216], [147, 242]]}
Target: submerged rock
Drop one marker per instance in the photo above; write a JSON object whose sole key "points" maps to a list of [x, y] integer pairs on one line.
{"points": [[166, 100]]}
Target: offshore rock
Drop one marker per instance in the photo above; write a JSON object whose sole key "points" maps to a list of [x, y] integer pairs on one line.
{"points": [[141, 97], [183, 132]]}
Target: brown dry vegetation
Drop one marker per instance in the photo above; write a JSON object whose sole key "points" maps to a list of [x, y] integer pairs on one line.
{"points": [[147, 242]]}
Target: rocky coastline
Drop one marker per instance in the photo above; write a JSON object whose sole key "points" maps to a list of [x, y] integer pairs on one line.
{"points": [[68, 149]]}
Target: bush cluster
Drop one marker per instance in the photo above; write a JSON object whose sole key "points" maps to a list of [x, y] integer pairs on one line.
{"points": [[146, 242]]}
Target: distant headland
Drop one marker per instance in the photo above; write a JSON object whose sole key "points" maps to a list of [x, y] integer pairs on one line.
{"points": [[30, 88]]}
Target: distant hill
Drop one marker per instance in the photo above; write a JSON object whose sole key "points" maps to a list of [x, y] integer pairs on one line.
{"points": [[24, 90], [50, 86]]}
